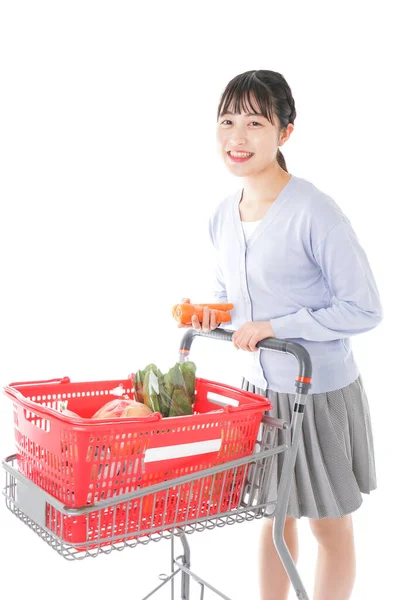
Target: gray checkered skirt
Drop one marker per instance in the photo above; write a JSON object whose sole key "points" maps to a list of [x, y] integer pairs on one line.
{"points": [[335, 461]]}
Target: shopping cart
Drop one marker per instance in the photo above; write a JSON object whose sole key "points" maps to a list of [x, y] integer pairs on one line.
{"points": [[233, 490]]}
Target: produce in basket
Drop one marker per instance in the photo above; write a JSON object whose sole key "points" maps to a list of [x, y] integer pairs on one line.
{"points": [[172, 394], [121, 407], [183, 312], [178, 389], [151, 388], [189, 375], [138, 381], [68, 413], [137, 409]]}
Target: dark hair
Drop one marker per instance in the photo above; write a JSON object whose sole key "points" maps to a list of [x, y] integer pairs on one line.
{"points": [[271, 92]]}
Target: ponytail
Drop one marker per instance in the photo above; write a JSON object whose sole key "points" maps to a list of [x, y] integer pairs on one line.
{"points": [[281, 160]]}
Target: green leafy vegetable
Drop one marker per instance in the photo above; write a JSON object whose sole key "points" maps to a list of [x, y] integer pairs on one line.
{"points": [[172, 394], [151, 388]]}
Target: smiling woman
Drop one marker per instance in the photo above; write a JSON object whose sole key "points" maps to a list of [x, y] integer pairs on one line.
{"points": [[299, 273]]}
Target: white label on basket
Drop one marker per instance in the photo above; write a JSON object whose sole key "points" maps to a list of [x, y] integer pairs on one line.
{"points": [[220, 399], [181, 450]]}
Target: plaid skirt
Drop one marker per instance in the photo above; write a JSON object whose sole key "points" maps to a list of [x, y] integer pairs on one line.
{"points": [[335, 460]]}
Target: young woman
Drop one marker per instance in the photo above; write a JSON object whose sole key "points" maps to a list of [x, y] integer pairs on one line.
{"points": [[289, 260]]}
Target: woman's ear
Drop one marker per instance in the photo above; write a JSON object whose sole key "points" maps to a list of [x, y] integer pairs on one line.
{"points": [[285, 134]]}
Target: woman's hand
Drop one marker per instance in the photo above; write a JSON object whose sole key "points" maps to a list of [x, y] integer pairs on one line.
{"points": [[249, 334], [209, 321]]}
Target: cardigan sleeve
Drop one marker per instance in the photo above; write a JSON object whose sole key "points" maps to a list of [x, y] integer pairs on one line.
{"points": [[355, 303], [219, 290]]}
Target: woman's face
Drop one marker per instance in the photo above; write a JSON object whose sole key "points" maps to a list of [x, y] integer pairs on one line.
{"points": [[249, 133]]}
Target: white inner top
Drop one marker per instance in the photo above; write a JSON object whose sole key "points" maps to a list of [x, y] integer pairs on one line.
{"points": [[249, 227], [250, 361]]}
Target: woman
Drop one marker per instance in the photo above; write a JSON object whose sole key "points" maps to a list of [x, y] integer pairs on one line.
{"points": [[288, 259]]}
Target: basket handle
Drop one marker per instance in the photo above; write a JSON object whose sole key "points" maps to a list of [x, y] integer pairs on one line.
{"points": [[33, 407], [254, 398], [58, 380], [245, 407], [46, 412], [225, 393]]}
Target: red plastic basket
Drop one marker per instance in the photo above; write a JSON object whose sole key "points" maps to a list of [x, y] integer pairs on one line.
{"points": [[83, 461]]}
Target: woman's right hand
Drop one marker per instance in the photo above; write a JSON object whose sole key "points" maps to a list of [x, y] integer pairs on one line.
{"points": [[209, 320]]}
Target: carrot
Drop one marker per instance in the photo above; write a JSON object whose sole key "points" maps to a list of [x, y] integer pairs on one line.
{"points": [[218, 306], [211, 306], [183, 313]]}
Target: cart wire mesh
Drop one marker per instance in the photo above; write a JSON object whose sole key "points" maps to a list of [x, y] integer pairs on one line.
{"points": [[253, 471]]}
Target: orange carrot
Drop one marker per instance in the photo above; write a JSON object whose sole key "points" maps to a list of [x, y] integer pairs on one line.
{"points": [[183, 313], [218, 306], [221, 306]]}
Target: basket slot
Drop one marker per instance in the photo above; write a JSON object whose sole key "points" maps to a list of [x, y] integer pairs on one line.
{"points": [[39, 422]]}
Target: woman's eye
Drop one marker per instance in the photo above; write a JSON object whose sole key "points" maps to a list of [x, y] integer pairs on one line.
{"points": [[229, 121]]}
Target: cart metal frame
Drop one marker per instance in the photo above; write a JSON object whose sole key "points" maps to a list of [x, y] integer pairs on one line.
{"points": [[28, 502]]}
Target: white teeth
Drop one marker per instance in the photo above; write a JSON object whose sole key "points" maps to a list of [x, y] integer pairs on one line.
{"points": [[240, 154]]}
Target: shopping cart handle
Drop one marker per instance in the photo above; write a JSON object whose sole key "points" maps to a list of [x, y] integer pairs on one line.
{"points": [[303, 381]]}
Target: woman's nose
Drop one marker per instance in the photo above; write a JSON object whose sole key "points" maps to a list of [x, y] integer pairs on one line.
{"points": [[238, 136], [238, 139]]}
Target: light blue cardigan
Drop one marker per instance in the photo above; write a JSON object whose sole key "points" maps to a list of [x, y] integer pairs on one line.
{"points": [[304, 270]]}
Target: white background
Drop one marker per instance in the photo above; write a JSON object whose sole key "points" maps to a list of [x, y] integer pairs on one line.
{"points": [[109, 173]]}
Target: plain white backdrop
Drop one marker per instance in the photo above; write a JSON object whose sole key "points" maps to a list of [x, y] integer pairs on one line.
{"points": [[109, 173]]}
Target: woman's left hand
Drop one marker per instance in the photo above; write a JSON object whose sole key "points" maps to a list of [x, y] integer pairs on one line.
{"points": [[249, 334]]}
